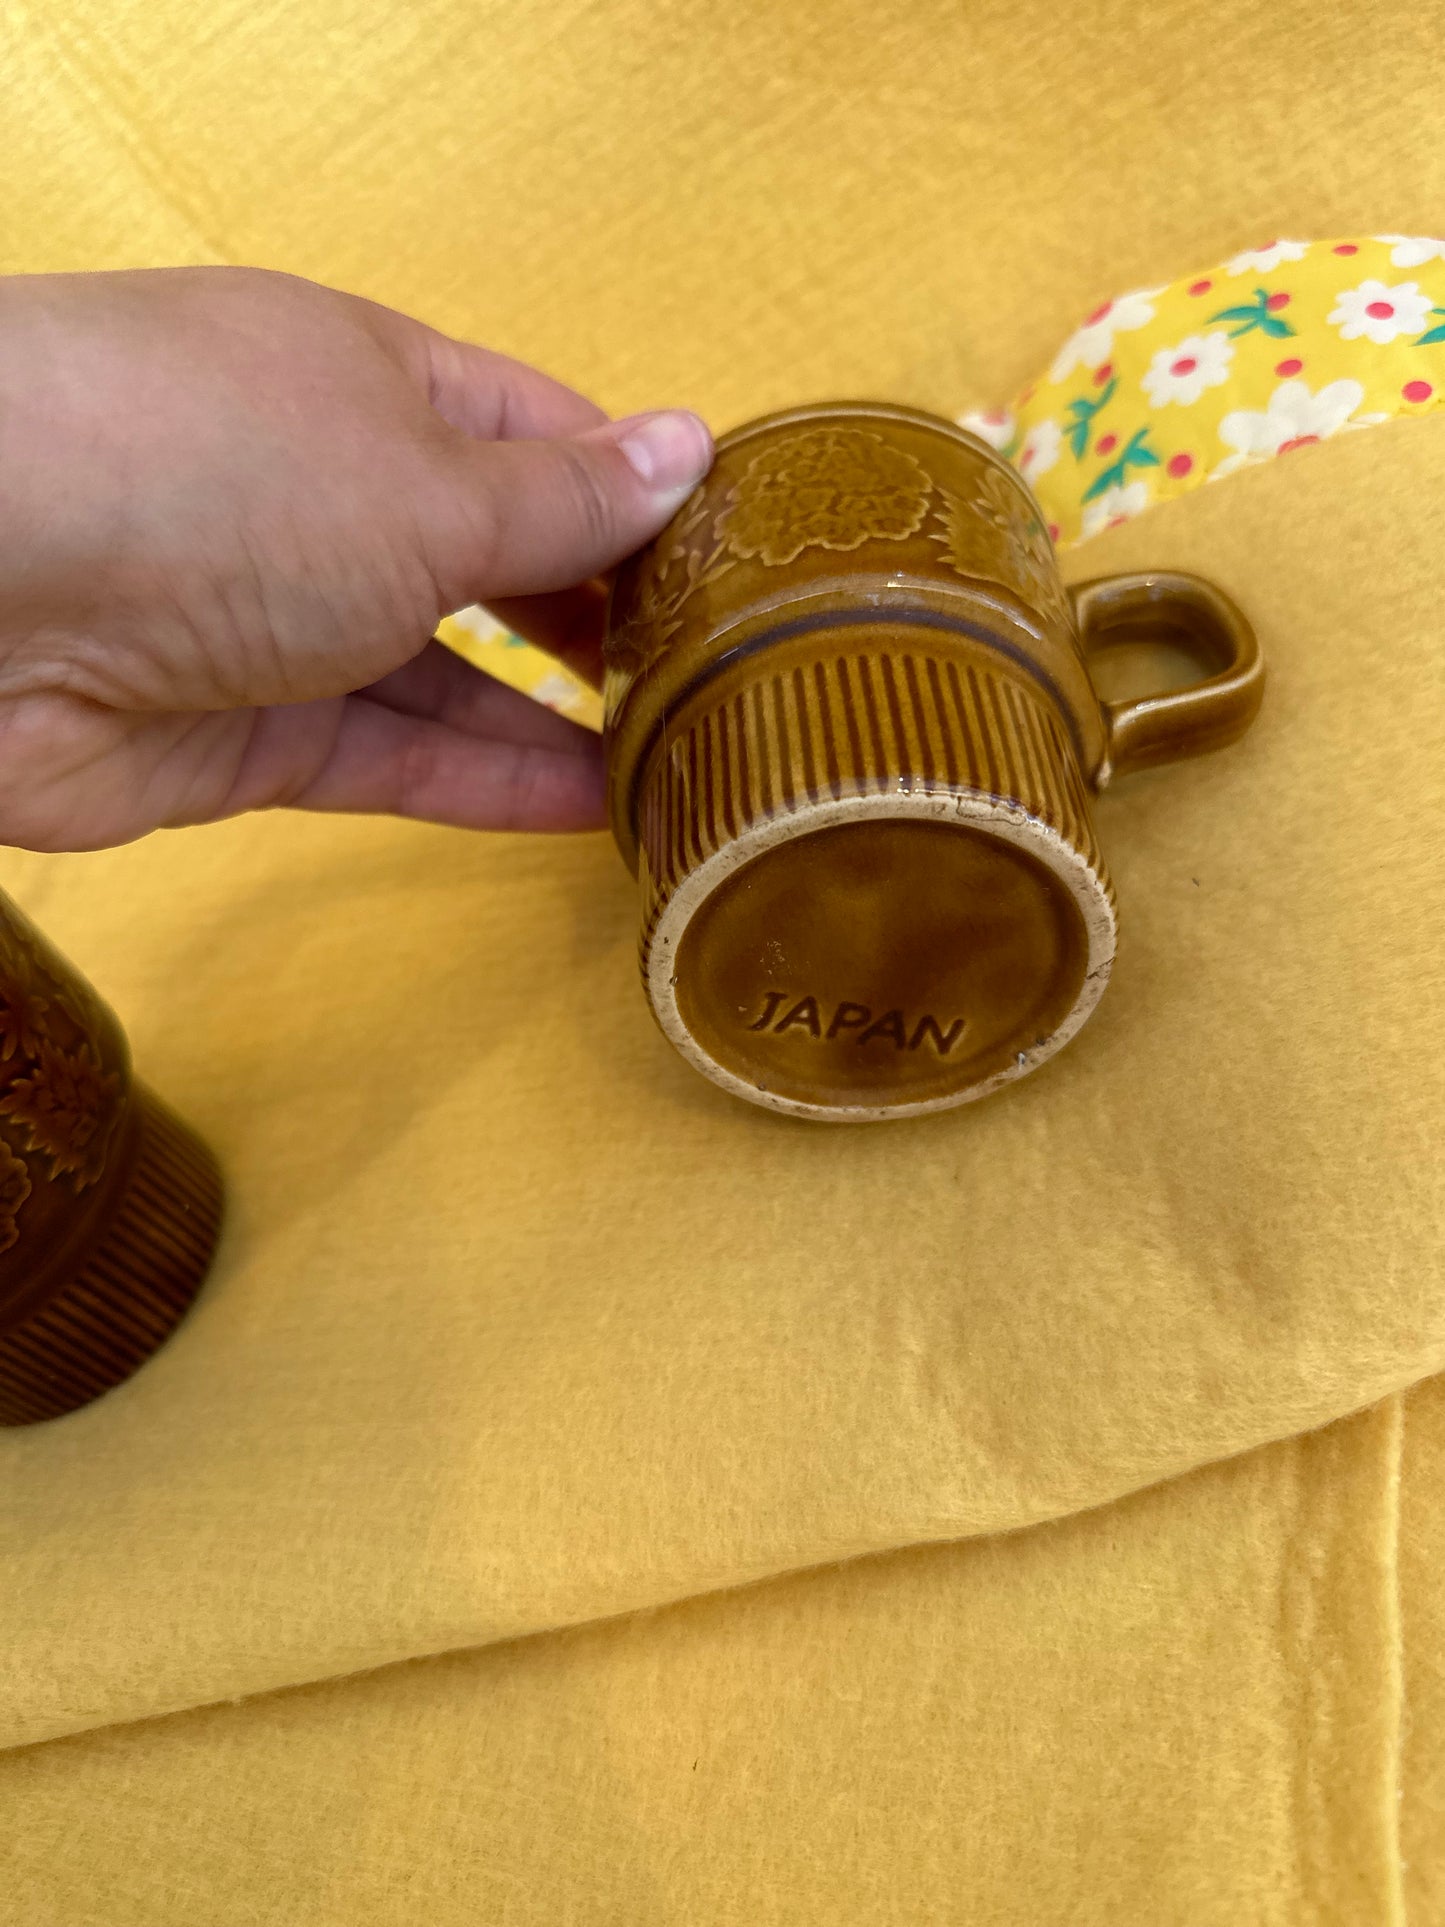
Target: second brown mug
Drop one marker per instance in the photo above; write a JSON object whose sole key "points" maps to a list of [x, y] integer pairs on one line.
{"points": [[852, 738]]}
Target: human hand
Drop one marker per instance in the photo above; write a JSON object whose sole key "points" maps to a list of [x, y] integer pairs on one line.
{"points": [[233, 508]]}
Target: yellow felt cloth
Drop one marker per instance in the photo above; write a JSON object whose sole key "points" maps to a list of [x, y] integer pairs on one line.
{"points": [[519, 1325], [1159, 1712]]}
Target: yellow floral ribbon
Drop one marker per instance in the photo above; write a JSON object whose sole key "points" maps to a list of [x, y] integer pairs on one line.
{"points": [[482, 640], [1167, 388], [1164, 389]]}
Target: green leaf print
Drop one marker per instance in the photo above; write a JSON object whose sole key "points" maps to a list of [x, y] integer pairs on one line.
{"points": [[1254, 314], [1082, 413], [1432, 335], [1135, 454]]}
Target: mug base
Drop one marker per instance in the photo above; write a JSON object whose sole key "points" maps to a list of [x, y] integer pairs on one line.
{"points": [[874, 956]]}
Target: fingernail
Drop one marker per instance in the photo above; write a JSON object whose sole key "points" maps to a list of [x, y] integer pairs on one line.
{"points": [[670, 451]]}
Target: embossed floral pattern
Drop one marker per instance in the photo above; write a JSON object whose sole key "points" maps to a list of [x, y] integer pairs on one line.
{"points": [[689, 556], [26, 977], [23, 995], [22, 1017], [14, 1190], [57, 1099], [1039, 569], [970, 535], [64, 1105], [998, 535], [831, 488]]}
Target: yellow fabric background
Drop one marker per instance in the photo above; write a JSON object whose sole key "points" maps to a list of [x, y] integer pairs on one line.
{"points": [[519, 1325], [1101, 1721]]}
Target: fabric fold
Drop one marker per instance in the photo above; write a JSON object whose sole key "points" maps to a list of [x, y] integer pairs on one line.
{"points": [[1182, 1708], [1421, 1589]]}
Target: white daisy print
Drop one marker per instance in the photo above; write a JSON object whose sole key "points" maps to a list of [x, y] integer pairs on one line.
{"points": [[1040, 449], [1118, 504], [560, 693], [1261, 260], [1090, 345], [1293, 418], [1380, 313], [1182, 373], [1412, 250], [996, 426], [482, 624]]}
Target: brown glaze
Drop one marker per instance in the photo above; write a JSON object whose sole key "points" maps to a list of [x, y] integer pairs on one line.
{"points": [[851, 738], [109, 1205], [791, 972]]}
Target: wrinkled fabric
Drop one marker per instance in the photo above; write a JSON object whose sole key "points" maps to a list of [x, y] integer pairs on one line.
{"points": [[519, 1326], [1181, 1708]]}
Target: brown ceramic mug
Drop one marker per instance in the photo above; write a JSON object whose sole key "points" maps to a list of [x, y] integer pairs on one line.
{"points": [[852, 738], [109, 1204]]}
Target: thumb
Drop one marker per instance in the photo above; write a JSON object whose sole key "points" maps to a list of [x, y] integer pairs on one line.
{"points": [[524, 517]]}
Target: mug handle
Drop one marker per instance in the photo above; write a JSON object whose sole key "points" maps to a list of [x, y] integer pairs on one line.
{"points": [[1193, 614]]}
